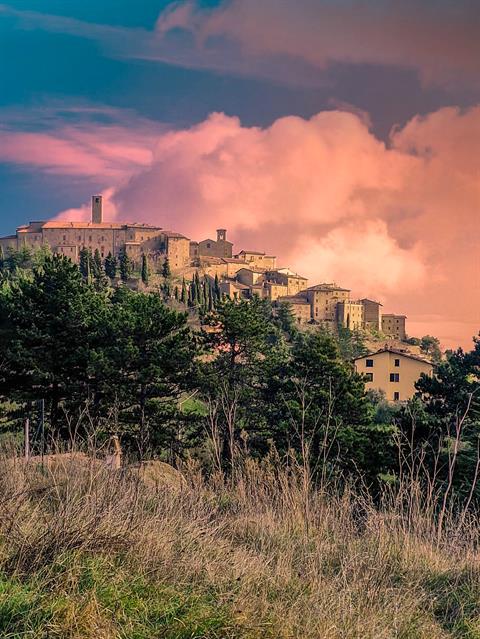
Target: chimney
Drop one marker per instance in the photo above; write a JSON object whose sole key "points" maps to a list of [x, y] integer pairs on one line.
{"points": [[221, 235], [97, 215]]}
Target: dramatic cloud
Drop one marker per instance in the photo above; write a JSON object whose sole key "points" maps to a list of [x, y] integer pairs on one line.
{"points": [[438, 38], [292, 42], [398, 222]]}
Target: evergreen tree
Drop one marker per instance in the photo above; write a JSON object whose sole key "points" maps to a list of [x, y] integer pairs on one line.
{"points": [[166, 272], [184, 295], [210, 300], [111, 266], [97, 266], [145, 270], [126, 266], [216, 290], [176, 293], [84, 261]]}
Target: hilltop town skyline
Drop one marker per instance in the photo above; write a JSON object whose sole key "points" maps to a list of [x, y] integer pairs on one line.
{"points": [[348, 149]]}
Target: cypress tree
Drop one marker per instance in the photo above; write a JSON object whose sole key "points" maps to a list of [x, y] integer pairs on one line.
{"points": [[166, 271], [84, 263], [145, 270], [126, 266], [210, 299], [176, 293], [184, 296], [216, 290], [96, 264], [111, 266]]}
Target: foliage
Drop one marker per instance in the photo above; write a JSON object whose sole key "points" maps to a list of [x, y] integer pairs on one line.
{"points": [[126, 266]]}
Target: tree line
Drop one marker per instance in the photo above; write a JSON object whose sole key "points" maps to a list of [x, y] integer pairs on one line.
{"points": [[248, 382]]}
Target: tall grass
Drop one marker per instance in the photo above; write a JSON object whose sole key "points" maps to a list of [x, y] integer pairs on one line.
{"points": [[88, 552]]}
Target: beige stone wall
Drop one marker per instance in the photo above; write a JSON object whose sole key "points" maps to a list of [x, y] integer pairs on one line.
{"points": [[178, 249], [274, 290], [300, 310], [394, 326], [249, 276], [214, 248], [258, 261], [324, 303], [384, 365], [350, 314], [371, 311]]}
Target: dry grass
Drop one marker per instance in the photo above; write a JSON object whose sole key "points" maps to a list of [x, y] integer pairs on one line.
{"points": [[88, 552]]}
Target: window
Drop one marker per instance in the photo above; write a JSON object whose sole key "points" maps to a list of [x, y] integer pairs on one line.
{"points": [[397, 363], [396, 396], [394, 377], [64, 238], [369, 377], [369, 363], [79, 238], [208, 245], [89, 238]]}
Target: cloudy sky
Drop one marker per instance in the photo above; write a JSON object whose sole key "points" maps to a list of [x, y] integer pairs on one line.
{"points": [[341, 135]]}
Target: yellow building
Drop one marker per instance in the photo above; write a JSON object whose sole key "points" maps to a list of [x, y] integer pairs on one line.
{"points": [[350, 314], [394, 326], [323, 300], [393, 371]]}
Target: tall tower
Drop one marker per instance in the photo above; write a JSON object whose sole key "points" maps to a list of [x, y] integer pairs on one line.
{"points": [[97, 214], [221, 235]]}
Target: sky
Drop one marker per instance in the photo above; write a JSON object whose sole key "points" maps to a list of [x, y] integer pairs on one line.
{"points": [[342, 136]]}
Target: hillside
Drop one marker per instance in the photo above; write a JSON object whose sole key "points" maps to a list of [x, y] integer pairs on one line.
{"points": [[91, 553]]}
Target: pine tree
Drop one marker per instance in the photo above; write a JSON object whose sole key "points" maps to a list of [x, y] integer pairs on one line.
{"points": [[111, 266], [145, 270]]}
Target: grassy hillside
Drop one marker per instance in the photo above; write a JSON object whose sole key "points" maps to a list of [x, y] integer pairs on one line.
{"points": [[86, 552]]}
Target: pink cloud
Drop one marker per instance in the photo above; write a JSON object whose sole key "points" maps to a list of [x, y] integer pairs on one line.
{"points": [[396, 221]]}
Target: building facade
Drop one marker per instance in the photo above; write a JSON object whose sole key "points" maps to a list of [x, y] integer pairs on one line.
{"points": [[323, 300], [215, 248], [68, 238], [372, 314], [394, 326], [258, 260], [393, 371], [350, 314]]}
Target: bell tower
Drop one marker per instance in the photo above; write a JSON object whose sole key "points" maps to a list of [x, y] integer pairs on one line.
{"points": [[97, 213]]}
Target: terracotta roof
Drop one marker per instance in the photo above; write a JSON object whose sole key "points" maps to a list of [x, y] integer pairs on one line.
{"points": [[395, 351], [393, 315], [232, 260]]}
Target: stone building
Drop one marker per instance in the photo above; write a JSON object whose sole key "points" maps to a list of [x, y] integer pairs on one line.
{"points": [[323, 300], [393, 371], [293, 281], [394, 326], [350, 314], [215, 248], [371, 313], [68, 238], [299, 305], [249, 276], [257, 260]]}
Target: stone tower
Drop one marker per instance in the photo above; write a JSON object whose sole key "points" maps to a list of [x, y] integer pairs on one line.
{"points": [[97, 214]]}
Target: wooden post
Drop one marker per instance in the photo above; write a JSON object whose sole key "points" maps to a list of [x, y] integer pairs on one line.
{"points": [[27, 438]]}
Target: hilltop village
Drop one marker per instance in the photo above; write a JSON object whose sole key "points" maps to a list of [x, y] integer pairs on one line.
{"points": [[240, 275]]}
